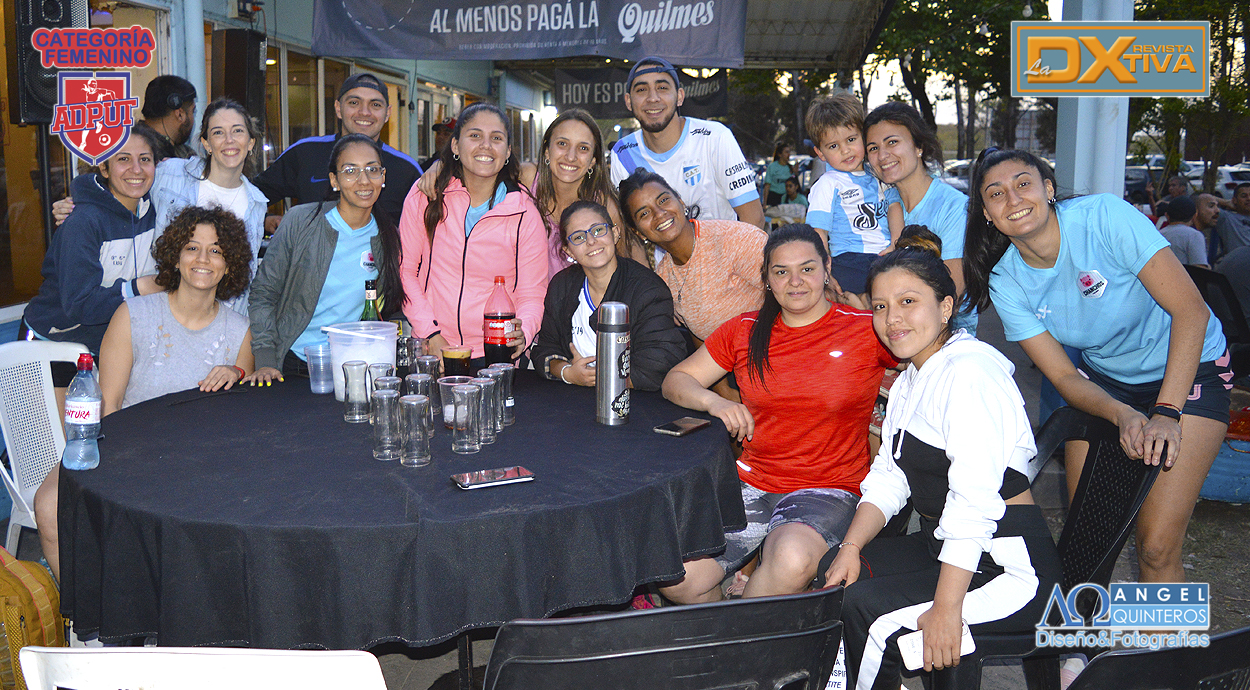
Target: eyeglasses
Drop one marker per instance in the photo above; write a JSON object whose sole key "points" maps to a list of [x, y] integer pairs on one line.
{"points": [[351, 173], [597, 230]]}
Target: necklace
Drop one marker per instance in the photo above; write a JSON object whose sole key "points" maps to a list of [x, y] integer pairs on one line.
{"points": [[685, 274]]}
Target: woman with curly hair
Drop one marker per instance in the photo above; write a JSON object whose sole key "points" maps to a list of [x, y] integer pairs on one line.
{"points": [[178, 338]]}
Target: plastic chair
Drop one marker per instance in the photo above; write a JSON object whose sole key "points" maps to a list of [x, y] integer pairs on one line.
{"points": [[196, 668], [1108, 497], [33, 434], [1223, 665], [769, 642], [1220, 296]]}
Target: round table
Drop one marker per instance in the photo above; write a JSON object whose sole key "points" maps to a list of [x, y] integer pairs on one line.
{"points": [[258, 517]]}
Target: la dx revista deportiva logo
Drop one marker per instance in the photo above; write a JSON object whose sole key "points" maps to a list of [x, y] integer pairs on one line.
{"points": [[1173, 611]]}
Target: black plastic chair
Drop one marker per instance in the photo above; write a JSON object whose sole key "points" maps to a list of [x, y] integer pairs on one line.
{"points": [[1225, 665], [770, 642], [1108, 497], [1220, 296]]}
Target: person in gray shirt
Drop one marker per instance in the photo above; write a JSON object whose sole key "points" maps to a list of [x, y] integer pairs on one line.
{"points": [[1187, 243]]}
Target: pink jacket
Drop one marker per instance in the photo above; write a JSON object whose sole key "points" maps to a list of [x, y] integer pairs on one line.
{"points": [[447, 292]]}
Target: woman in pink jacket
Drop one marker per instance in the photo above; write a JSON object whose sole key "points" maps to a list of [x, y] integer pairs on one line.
{"points": [[480, 223]]}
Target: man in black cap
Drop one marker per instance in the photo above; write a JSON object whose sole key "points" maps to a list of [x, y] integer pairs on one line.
{"points": [[699, 158], [302, 171], [442, 134], [169, 109]]}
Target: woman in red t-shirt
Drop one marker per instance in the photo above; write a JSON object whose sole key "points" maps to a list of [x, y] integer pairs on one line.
{"points": [[809, 370]]}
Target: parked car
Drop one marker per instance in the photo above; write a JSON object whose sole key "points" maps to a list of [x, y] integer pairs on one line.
{"points": [[1135, 177], [1227, 178], [955, 173]]}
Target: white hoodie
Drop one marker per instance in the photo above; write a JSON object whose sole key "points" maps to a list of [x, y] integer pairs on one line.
{"points": [[964, 401]]}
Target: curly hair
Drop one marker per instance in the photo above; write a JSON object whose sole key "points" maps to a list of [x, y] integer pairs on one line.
{"points": [[231, 238]]}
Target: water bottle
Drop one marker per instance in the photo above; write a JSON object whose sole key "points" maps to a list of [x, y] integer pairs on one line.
{"points": [[82, 418], [612, 364]]}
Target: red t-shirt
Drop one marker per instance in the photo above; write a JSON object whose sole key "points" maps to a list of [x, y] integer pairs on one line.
{"points": [[811, 422]]}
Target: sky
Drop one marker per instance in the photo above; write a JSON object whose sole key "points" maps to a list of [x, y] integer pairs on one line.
{"points": [[944, 103]]}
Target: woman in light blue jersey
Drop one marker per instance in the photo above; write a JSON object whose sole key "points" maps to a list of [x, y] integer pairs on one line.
{"points": [[1094, 274]]}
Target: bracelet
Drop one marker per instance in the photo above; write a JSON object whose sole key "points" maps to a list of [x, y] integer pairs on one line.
{"points": [[242, 373], [564, 369], [1163, 404], [1165, 410], [849, 543]]}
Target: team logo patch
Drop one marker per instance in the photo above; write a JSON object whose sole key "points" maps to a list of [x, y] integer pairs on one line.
{"points": [[1092, 284], [93, 113], [366, 261], [693, 175]]}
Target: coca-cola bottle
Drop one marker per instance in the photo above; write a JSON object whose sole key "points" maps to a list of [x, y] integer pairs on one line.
{"points": [[497, 324]]}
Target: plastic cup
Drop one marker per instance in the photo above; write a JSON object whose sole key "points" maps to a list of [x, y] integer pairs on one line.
{"points": [[320, 375], [456, 360], [445, 385]]}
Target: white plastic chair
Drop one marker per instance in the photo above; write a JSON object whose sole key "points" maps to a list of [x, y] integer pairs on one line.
{"points": [[196, 668], [33, 433]]}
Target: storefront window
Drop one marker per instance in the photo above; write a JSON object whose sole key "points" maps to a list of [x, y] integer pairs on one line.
{"points": [[336, 74], [301, 85]]}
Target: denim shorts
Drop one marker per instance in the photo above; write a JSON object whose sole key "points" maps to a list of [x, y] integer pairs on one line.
{"points": [[1208, 398], [828, 511]]}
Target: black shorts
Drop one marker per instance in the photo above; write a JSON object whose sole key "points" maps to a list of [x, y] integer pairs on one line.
{"points": [[1208, 398]]}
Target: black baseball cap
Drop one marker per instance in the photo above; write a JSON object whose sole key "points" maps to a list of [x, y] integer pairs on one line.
{"points": [[1181, 208], [651, 64], [366, 80]]}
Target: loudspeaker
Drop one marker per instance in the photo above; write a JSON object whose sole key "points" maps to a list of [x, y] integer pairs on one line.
{"points": [[32, 87], [239, 69]]}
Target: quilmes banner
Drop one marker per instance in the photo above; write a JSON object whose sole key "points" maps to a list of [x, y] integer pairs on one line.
{"points": [[602, 93], [708, 33], [1142, 59]]}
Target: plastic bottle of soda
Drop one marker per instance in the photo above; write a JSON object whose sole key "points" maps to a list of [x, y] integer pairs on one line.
{"points": [[497, 324], [82, 418]]}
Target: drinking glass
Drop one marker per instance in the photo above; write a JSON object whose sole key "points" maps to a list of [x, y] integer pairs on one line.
{"points": [[422, 384], [386, 432], [497, 376], [388, 383], [414, 423], [486, 410], [445, 385], [355, 391], [379, 369], [429, 364], [467, 400], [509, 371]]}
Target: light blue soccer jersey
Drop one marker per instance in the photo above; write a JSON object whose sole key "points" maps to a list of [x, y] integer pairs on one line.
{"points": [[343, 293], [1091, 299], [851, 207], [944, 210]]}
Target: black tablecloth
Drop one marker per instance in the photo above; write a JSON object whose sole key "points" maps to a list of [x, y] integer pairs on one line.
{"points": [[259, 517]]}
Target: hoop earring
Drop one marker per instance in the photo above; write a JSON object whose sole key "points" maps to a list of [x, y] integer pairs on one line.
{"points": [[1051, 201], [455, 156], [826, 281], [546, 161]]}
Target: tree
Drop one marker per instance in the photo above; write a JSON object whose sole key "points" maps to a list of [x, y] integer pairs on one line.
{"points": [[754, 100]]}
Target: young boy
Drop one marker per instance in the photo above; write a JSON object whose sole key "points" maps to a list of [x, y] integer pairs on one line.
{"points": [[858, 215]]}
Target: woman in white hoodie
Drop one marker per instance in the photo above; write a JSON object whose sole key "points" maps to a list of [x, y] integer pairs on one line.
{"points": [[957, 442]]}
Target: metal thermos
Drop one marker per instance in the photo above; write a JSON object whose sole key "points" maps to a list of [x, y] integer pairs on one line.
{"points": [[612, 364]]}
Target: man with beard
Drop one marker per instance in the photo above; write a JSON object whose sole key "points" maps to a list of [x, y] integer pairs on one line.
{"points": [[169, 109], [699, 158], [302, 171]]}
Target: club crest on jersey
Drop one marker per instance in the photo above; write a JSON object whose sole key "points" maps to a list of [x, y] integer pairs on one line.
{"points": [[1092, 284], [693, 175], [93, 113]]}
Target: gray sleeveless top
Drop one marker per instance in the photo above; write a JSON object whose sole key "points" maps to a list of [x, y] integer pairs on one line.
{"points": [[170, 357]]}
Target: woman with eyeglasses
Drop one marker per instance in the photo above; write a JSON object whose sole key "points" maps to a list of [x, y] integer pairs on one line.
{"points": [[565, 349], [1093, 273], [314, 270]]}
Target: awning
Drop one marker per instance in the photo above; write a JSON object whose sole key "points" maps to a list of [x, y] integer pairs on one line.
{"points": [[786, 34]]}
